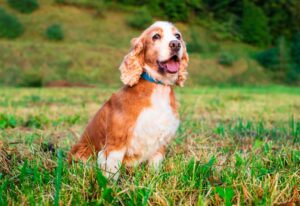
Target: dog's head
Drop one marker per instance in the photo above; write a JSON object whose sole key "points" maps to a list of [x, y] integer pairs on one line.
{"points": [[161, 52]]}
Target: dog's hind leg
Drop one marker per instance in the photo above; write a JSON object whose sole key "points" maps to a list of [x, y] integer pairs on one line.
{"points": [[81, 152]]}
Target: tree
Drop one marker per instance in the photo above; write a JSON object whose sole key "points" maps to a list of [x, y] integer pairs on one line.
{"points": [[176, 10], [295, 50], [24, 6], [10, 27], [255, 28]]}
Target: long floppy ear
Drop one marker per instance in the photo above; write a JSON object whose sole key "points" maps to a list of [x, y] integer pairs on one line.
{"points": [[132, 66], [182, 73]]}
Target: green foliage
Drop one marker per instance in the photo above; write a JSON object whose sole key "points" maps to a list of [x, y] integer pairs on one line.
{"points": [[226, 59], [37, 121], [175, 10], [154, 7], [194, 45], [7, 121], [227, 30], [141, 19], [295, 49], [198, 44], [232, 19], [31, 78], [3, 189], [282, 61], [54, 33], [293, 74], [255, 25], [133, 2], [281, 13], [25, 78], [58, 178], [226, 194], [10, 26], [268, 58], [24, 6], [101, 180], [195, 4], [235, 17], [284, 57]]}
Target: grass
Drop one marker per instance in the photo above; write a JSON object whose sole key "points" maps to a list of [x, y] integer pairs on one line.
{"points": [[234, 146]]}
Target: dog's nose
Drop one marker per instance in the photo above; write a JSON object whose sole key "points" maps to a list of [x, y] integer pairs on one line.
{"points": [[175, 45]]}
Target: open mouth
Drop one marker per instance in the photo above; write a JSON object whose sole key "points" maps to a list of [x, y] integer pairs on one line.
{"points": [[171, 65]]}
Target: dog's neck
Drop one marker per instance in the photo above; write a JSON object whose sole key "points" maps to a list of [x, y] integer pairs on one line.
{"points": [[167, 79], [147, 77]]}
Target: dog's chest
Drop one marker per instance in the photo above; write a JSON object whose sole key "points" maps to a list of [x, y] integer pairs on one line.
{"points": [[155, 126]]}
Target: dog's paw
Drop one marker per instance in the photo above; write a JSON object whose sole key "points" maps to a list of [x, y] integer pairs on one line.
{"points": [[110, 163], [155, 161]]}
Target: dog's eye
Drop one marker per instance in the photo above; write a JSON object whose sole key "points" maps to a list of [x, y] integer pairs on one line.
{"points": [[178, 36], [156, 36]]}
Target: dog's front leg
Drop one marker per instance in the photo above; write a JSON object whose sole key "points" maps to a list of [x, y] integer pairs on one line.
{"points": [[156, 160], [110, 161]]}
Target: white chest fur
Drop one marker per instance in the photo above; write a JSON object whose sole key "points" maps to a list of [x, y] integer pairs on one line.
{"points": [[155, 126]]}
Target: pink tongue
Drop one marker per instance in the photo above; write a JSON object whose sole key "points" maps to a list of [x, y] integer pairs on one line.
{"points": [[172, 66]]}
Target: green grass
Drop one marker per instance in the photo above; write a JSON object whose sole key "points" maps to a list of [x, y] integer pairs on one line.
{"points": [[234, 146]]}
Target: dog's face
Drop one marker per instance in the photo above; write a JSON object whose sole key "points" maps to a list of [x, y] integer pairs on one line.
{"points": [[160, 51], [163, 48]]}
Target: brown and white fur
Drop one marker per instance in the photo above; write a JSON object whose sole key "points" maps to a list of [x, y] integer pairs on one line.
{"points": [[138, 122]]}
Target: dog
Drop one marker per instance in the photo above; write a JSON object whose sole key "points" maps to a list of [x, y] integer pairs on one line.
{"points": [[137, 123]]}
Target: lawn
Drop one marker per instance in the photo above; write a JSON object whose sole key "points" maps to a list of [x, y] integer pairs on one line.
{"points": [[234, 146]]}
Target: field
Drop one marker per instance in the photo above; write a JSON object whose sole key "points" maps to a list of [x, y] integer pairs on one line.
{"points": [[235, 146], [239, 138]]}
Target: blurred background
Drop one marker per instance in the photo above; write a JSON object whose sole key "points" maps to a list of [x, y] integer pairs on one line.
{"points": [[82, 42]]}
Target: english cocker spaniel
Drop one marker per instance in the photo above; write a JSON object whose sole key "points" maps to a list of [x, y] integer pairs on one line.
{"points": [[137, 122]]}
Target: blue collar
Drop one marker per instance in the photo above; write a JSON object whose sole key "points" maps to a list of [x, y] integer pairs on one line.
{"points": [[147, 77]]}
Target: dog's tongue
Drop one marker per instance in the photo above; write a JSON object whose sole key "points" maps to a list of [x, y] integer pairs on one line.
{"points": [[172, 66]]}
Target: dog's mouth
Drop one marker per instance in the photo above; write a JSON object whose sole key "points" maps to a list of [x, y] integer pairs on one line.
{"points": [[170, 66]]}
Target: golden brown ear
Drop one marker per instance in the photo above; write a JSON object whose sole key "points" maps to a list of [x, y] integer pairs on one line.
{"points": [[182, 73], [132, 66]]}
